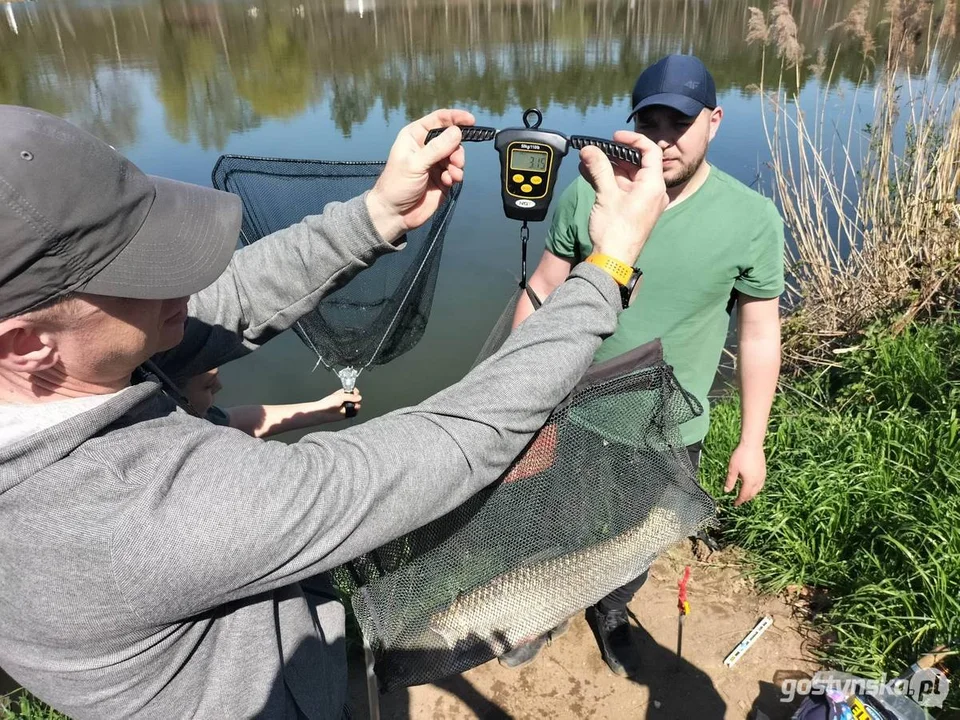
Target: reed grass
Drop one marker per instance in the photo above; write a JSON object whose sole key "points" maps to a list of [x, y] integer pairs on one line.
{"points": [[870, 207], [859, 519]]}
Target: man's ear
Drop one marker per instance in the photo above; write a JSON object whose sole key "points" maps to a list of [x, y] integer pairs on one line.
{"points": [[24, 348], [716, 115]]}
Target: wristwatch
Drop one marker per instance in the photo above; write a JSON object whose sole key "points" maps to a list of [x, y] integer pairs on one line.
{"points": [[626, 276]]}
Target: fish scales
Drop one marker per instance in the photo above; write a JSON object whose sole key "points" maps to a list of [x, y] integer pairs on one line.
{"points": [[550, 590]]}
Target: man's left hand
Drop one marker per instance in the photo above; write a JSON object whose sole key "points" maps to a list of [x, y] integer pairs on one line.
{"points": [[748, 463], [417, 174]]}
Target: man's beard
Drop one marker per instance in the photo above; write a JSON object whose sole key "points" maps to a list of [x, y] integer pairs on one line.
{"points": [[686, 172]]}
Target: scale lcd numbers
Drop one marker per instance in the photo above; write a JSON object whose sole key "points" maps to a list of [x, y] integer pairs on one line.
{"points": [[531, 161]]}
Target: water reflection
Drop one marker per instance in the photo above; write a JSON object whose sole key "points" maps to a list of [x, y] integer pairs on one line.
{"points": [[222, 68], [175, 83]]}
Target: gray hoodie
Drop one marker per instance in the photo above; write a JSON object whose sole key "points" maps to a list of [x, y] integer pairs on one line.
{"points": [[155, 565]]}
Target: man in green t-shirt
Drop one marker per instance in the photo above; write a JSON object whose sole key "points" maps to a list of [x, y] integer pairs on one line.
{"points": [[717, 244]]}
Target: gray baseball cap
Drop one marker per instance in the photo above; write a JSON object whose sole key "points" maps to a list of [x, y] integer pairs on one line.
{"points": [[75, 215]]}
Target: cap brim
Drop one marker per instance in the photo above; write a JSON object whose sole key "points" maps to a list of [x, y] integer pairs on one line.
{"points": [[681, 103], [184, 244]]}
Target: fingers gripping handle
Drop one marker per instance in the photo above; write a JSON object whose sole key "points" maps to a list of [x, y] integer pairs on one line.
{"points": [[350, 408], [470, 133], [611, 149]]}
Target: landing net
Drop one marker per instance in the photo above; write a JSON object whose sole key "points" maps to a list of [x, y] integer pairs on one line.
{"points": [[383, 311], [604, 487]]}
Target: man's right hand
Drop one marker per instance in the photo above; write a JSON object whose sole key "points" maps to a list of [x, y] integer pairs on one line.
{"points": [[629, 200], [418, 174]]}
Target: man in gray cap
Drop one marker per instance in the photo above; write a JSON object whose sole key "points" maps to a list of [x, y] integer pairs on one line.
{"points": [[155, 565], [718, 244]]}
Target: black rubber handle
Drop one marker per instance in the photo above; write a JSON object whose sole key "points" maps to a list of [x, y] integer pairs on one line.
{"points": [[471, 133], [611, 149], [350, 409]]}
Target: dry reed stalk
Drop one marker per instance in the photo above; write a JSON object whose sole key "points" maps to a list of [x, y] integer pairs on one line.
{"points": [[948, 24], [784, 30], [855, 25], [757, 29]]}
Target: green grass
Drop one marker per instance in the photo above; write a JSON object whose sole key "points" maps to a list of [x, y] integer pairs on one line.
{"points": [[862, 499], [20, 705]]}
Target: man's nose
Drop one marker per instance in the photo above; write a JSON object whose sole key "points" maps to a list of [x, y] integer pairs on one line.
{"points": [[663, 143]]}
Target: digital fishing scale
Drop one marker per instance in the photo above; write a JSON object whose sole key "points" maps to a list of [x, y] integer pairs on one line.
{"points": [[530, 158], [529, 161]]}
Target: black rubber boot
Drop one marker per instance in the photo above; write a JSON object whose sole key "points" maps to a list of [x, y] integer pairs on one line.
{"points": [[522, 654], [612, 629]]}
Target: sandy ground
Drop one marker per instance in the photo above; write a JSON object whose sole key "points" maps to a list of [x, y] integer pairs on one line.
{"points": [[570, 680]]}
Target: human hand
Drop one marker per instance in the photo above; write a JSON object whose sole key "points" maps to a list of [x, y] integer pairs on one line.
{"points": [[749, 463], [416, 177], [629, 200], [333, 408]]}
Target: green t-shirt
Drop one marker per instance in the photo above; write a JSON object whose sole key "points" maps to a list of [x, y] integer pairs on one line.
{"points": [[724, 237]]}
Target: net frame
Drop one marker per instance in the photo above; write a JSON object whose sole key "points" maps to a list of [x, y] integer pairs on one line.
{"points": [[347, 349]]}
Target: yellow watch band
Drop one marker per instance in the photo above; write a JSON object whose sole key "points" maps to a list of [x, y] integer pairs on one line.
{"points": [[620, 271]]}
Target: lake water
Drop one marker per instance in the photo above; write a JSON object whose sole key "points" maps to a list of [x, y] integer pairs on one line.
{"points": [[176, 83]]}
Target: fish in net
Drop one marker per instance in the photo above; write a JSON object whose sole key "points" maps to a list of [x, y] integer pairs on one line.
{"points": [[383, 311], [602, 489]]}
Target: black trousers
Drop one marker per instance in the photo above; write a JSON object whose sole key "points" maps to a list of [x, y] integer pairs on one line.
{"points": [[618, 599]]}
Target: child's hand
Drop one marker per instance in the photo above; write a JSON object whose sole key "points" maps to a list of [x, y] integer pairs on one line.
{"points": [[332, 406]]}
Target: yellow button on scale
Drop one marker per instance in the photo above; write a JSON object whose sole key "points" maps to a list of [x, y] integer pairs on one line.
{"points": [[518, 178], [526, 188], [536, 179]]}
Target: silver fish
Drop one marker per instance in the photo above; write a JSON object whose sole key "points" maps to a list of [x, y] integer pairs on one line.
{"points": [[531, 599]]}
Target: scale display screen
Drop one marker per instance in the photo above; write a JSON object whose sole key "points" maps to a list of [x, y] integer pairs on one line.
{"points": [[535, 161]]}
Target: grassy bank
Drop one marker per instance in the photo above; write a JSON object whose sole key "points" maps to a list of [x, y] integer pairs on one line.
{"points": [[862, 501], [861, 512], [23, 706]]}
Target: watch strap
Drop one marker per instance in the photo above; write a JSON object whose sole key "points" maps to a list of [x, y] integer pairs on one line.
{"points": [[619, 270]]}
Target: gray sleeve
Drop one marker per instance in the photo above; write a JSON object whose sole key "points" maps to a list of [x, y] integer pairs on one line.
{"points": [[270, 284], [243, 516]]}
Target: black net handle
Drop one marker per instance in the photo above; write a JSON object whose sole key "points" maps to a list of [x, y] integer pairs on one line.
{"points": [[613, 150], [471, 133]]}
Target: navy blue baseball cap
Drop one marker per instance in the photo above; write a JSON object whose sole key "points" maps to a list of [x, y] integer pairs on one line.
{"points": [[680, 82]]}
